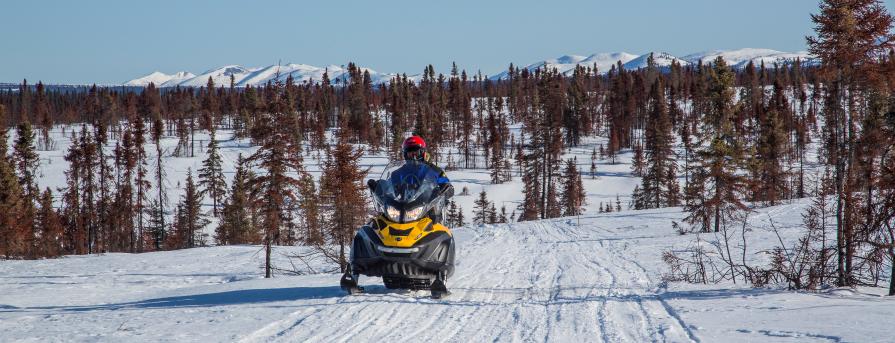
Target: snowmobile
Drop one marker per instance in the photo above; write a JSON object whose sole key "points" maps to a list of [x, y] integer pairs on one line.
{"points": [[405, 243]]}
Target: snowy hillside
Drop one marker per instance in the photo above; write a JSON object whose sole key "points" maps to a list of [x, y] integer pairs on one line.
{"points": [[552, 280]]}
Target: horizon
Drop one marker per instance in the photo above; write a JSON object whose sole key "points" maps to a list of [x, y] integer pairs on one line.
{"points": [[71, 43]]}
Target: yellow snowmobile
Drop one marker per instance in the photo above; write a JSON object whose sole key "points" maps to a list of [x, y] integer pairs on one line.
{"points": [[405, 243]]}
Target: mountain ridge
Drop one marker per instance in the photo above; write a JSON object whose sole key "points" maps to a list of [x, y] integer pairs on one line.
{"points": [[255, 76]]}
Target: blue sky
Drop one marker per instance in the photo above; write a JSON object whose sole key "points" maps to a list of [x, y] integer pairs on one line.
{"points": [[113, 41]]}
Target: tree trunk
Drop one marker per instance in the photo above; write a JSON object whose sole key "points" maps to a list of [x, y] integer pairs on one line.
{"points": [[892, 273], [840, 232], [161, 189], [342, 263], [267, 257], [717, 218]]}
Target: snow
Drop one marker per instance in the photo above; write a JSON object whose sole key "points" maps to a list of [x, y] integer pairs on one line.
{"points": [[177, 78], [220, 76], [741, 57], [550, 280], [158, 78], [737, 58], [594, 277], [566, 64], [662, 60], [255, 76]]}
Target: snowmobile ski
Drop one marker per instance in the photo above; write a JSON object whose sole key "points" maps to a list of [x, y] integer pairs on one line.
{"points": [[439, 290], [349, 283]]}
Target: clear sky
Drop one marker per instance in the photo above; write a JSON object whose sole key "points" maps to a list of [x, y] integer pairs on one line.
{"points": [[114, 41]]}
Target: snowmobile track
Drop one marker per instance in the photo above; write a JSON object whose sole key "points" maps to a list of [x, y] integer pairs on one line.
{"points": [[545, 281]]}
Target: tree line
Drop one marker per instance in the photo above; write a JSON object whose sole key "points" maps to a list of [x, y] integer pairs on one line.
{"points": [[112, 200]]}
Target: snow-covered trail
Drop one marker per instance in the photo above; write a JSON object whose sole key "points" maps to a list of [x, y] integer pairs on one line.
{"points": [[541, 281], [532, 282]]}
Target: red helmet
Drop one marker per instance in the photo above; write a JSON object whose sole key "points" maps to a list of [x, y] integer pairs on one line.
{"points": [[414, 148], [414, 141]]}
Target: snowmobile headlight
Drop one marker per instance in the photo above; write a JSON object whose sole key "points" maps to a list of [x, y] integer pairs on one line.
{"points": [[414, 214], [397, 250], [393, 213]]}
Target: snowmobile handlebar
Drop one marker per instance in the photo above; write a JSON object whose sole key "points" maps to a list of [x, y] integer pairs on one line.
{"points": [[447, 190]]}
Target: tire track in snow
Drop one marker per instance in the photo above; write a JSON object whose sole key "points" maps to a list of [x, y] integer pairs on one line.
{"points": [[636, 281], [602, 319], [634, 300], [657, 294]]}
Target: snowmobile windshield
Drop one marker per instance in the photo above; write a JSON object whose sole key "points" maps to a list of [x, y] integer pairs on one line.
{"points": [[405, 182]]}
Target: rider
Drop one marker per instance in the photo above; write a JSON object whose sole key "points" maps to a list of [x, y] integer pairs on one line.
{"points": [[414, 149]]}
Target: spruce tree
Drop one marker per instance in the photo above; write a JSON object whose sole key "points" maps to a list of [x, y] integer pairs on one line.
{"points": [[311, 210], [531, 183], [772, 140], [42, 114], [26, 159], [11, 200], [157, 210], [499, 166], [279, 158], [189, 221], [75, 231], [237, 225], [140, 180], [553, 206], [27, 164], [573, 194], [659, 183], [461, 220], [211, 175], [89, 168], [492, 214], [637, 162], [481, 209], [593, 164], [451, 216], [51, 230], [721, 158], [343, 194], [156, 224], [104, 182]]}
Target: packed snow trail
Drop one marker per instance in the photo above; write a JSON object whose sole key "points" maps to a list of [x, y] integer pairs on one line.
{"points": [[539, 281], [533, 282]]}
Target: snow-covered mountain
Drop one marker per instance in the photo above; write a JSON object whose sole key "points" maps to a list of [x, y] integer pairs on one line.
{"points": [[161, 79], [244, 76], [662, 60], [566, 64], [739, 58], [254, 76]]}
